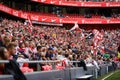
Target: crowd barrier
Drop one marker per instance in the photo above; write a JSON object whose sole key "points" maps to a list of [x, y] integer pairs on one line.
{"points": [[65, 74]]}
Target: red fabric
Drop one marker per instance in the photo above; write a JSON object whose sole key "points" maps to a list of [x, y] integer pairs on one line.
{"points": [[30, 24], [21, 49], [64, 63], [60, 67], [25, 65], [46, 68], [26, 69]]}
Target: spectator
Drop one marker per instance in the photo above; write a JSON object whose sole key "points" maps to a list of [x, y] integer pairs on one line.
{"points": [[21, 50], [50, 54], [11, 67], [37, 56], [3, 56], [12, 51], [82, 62]]}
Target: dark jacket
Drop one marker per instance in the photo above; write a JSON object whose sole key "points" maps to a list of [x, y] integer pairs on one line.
{"points": [[13, 69], [82, 64]]}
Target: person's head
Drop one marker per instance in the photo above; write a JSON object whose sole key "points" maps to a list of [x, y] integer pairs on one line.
{"points": [[39, 48], [3, 53], [50, 50], [26, 43], [6, 40], [11, 48], [32, 44], [21, 45], [74, 56], [66, 55]]}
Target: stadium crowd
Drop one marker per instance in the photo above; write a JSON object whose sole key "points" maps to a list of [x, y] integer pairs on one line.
{"points": [[20, 42]]}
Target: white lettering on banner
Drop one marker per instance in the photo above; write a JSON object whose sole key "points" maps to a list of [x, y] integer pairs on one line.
{"points": [[5, 9], [83, 21], [60, 2], [43, 19], [69, 4], [60, 20], [108, 21], [91, 5], [24, 15], [113, 4], [34, 17], [91, 22], [68, 21], [15, 13], [115, 22], [52, 2], [53, 20], [107, 4], [82, 3], [43, 0]]}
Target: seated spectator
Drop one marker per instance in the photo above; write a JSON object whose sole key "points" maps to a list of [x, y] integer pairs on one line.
{"points": [[21, 50], [11, 67], [37, 56], [3, 56], [11, 48], [49, 54], [82, 62]]}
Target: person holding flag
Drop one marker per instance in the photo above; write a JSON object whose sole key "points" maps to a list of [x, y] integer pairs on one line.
{"points": [[76, 27], [28, 23], [97, 40]]}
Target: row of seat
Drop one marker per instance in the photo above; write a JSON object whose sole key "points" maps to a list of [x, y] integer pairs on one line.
{"points": [[25, 68], [65, 15]]}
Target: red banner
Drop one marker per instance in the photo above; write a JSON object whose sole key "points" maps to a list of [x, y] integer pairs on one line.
{"points": [[51, 19], [80, 4]]}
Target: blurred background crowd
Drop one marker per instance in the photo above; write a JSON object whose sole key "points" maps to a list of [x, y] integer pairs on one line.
{"points": [[20, 42]]}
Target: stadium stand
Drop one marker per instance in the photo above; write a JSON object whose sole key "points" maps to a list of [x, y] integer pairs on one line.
{"points": [[92, 45]]}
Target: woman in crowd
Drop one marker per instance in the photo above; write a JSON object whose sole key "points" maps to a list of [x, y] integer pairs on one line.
{"points": [[3, 56]]}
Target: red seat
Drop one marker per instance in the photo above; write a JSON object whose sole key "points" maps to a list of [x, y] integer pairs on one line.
{"points": [[46, 68], [25, 65], [60, 67], [26, 69]]}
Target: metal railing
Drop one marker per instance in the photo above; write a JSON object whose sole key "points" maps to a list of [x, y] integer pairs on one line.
{"points": [[104, 68]]}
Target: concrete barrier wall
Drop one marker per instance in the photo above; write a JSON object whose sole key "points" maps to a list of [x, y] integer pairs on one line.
{"points": [[66, 74]]}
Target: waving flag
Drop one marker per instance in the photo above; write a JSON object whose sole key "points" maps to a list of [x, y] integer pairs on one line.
{"points": [[97, 40], [100, 36], [75, 27], [102, 49], [29, 24], [95, 32]]}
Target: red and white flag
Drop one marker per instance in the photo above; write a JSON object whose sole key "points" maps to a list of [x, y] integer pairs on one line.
{"points": [[29, 24], [29, 21], [102, 49], [95, 32], [100, 36], [97, 40], [75, 27]]}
